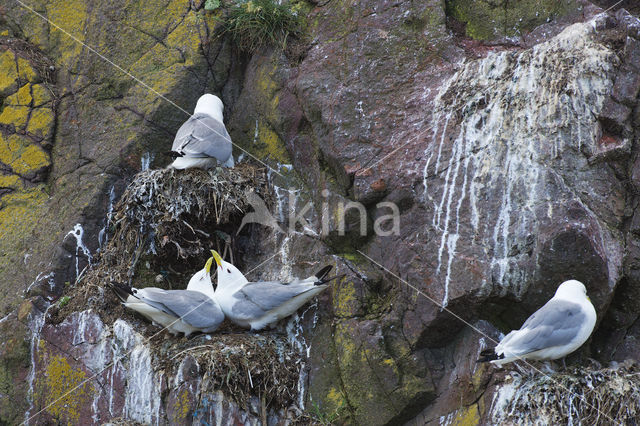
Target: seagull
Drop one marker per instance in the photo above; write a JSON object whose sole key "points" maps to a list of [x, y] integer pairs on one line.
{"points": [[560, 327], [202, 141], [179, 311], [256, 305]]}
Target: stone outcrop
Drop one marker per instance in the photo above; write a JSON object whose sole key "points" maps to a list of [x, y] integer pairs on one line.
{"points": [[507, 144]]}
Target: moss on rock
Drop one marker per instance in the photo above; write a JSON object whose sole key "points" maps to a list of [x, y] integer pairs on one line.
{"points": [[487, 20]]}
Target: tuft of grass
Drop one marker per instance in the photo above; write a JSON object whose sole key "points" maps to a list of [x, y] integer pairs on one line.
{"points": [[64, 300], [258, 23]]}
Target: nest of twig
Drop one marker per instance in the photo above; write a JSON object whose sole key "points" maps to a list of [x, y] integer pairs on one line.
{"points": [[162, 228], [579, 396], [248, 365]]}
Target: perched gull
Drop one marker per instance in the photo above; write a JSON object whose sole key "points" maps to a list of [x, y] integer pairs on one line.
{"points": [[560, 327], [202, 141], [256, 305], [180, 311]]}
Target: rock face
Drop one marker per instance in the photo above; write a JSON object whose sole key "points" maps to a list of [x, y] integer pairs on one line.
{"points": [[511, 162]]}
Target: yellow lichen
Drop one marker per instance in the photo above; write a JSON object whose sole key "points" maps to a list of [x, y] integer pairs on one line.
{"points": [[41, 94], [181, 406], [22, 155], [269, 145], [70, 16], [40, 122], [344, 299], [25, 70], [467, 416], [16, 115], [21, 98], [61, 378], [10, 181], [186, 37], [8, 73]]}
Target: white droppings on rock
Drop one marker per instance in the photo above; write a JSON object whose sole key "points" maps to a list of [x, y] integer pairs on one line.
{"points": [[145, 161], [103, 235], [36, 322], [81, 248], [506, 119]]}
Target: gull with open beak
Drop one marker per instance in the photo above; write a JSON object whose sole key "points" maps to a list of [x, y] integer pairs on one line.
{"points": [[259, 304], [179, 311]]}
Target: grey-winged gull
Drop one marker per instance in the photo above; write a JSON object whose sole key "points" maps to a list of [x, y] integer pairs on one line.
{"points": [[202, 141], [259, 304], [560, 327], [180, 311]]}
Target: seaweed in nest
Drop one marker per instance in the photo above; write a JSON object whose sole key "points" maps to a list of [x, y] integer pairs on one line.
{"points": [[581, 395]]}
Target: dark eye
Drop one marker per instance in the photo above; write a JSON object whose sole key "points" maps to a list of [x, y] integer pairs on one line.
{"points": [[228, 271]]}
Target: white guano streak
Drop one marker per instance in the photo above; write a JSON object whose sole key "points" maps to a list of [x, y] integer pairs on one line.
{"points": [[512, 111]]}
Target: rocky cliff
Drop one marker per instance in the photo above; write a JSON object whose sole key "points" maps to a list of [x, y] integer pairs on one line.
{"points": [[502, 132]]}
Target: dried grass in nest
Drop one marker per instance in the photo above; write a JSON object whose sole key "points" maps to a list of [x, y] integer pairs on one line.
{"points": [[580, 396], [246, 365]]}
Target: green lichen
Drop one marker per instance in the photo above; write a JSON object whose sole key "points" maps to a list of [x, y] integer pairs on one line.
{"points": [[60, 379], [487, 19]]}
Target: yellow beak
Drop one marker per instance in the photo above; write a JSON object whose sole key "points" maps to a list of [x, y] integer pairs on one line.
{"points": [[207, 266], [217, 257]]}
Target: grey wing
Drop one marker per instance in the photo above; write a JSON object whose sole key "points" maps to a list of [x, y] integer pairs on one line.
{"points": [[556, 323], [255, 299], [203, 136], [193, 307]]}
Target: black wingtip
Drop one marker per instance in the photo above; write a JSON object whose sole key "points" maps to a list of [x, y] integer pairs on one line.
{"points": [[326, 280], [488, 355], [322, 273], [123, 291], [174, 154]]}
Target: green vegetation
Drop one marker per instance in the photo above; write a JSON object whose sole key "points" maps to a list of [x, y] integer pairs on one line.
{"points": [[320, 417], [63, 301], [258, 23]]}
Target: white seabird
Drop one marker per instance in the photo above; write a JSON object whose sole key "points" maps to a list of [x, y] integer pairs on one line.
{"points": [[256, 305], [202, 141], [560, 327], [179, 311]]}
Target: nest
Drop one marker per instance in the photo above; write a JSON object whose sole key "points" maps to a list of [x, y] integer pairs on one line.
{"points": [[162, 228], [177, 216], [247, 365], [580, 396], [169, 219]]}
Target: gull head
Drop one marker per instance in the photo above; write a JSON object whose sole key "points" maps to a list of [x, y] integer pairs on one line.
{"points": [[201, 280], [571, 290], [228, 275], [211, 105]]}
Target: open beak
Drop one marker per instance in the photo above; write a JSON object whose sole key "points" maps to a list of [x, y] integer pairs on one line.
{"points": [[217, 257], [207, 266]]}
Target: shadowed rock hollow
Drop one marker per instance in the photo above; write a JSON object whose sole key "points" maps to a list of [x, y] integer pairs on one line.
{"points": [[508, 145]]}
